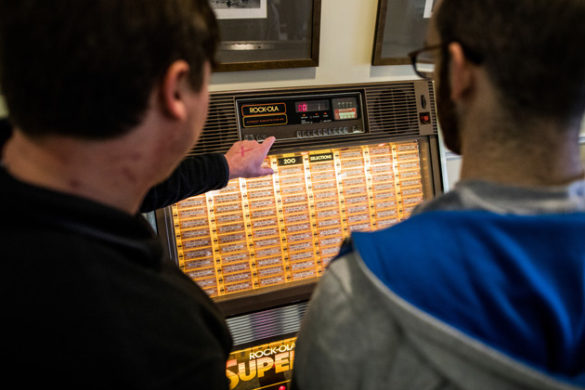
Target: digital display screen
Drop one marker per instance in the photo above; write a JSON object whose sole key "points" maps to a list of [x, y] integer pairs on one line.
{"points": [[311, 106], [345, 108]]}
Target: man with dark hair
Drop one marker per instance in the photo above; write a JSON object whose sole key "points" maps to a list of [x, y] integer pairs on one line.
{"points": [[106, 98], [484, 287]]}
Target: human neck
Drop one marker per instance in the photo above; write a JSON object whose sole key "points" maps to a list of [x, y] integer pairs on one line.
{"points": [[109, 172], [546, 155]]}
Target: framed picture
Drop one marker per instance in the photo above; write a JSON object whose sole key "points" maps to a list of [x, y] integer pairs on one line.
{"points": [[267, 34], [401, 27]]}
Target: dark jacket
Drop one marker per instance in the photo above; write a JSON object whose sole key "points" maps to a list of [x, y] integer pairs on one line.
{"points": [[88, 301]]}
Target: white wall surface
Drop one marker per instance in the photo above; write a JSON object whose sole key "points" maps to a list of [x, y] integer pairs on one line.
{"points": [[345, 54], [454, 162], [347, 40]]}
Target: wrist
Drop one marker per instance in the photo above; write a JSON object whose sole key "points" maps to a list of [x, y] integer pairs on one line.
{"points": [[227, 169]]}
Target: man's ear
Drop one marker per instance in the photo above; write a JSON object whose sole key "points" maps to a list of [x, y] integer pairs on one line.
{"points": [[172, 88], [461, 72]]}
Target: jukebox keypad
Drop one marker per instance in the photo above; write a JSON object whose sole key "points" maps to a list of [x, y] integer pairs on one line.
{"points": [[313, 133], [286, 227]]}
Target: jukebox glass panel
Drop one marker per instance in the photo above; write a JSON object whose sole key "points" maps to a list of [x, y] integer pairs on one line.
{"points": [[285, 228]]}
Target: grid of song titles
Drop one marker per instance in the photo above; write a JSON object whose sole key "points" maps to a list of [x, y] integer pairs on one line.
{"points": [[286, 227]]}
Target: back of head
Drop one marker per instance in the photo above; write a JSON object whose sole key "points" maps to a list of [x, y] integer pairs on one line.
{"points": [[86, 69], [532, 50]]}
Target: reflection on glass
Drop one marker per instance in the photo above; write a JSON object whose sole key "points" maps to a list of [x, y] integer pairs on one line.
{"points": [[425, 67], [285, 33], [150, 217], [405, 27]]}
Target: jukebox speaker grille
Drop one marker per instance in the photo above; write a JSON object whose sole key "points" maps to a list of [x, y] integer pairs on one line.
{"points": [[221, 129], [392, 111]]}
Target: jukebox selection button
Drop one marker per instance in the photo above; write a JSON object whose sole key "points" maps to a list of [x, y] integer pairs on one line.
{"points": [[425, 118], [314, 133]]}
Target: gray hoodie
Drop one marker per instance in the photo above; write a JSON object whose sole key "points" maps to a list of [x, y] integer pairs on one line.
{"points": [[358, 334]]}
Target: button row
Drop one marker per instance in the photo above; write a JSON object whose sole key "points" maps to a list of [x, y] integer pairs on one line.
{"points": [[325, 132], [310, 133], [255, 137]]}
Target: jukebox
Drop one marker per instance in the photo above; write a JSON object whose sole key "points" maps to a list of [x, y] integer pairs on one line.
{"points": [[346, 158]]}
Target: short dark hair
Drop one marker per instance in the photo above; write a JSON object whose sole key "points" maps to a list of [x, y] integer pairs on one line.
{"points": [[86, 68], [531, 49]]}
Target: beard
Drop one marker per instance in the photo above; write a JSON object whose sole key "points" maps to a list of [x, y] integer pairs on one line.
{"points": [[446, 109]]}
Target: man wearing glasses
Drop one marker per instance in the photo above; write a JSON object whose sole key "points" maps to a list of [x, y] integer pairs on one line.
{"points": [[484, 287]]}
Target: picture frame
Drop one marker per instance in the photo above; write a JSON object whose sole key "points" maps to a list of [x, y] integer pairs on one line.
{"points": [[267, 34], [401, 27]]}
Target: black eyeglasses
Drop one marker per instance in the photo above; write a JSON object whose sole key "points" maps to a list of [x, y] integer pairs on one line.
{"points": [[422, 60]]}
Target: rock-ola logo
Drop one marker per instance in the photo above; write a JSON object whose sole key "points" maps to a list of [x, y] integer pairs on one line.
{"points": [[264, 109]]}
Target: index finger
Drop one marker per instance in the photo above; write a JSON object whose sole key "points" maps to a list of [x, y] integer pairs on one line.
{"points": [[267, 144]]}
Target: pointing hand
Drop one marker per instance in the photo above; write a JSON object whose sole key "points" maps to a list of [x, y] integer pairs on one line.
{"points": [[246, 158]]}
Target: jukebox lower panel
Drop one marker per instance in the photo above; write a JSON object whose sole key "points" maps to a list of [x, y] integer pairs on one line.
{"points": [[283, 228], [267, 366], [265, 347]]}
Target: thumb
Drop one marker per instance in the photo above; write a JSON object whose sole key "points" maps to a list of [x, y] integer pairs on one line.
{"points": [[263, 171]]}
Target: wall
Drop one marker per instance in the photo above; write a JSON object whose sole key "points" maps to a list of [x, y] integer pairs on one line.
{"points": [[347, 39], [453, 166], [347, 34]]}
